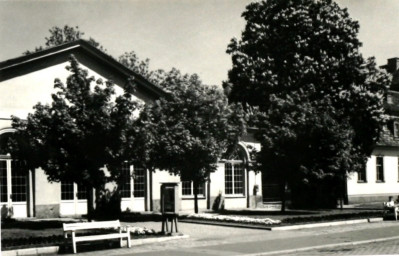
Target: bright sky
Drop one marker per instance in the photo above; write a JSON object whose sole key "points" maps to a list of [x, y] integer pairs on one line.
{"points": [[191, 35]]}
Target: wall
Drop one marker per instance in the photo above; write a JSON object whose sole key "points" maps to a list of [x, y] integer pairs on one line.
{"points": [[371, 190], [18, 95], [157, 179], [47, 196]]}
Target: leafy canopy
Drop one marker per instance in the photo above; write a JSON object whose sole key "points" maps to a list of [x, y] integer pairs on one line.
{"points": [[64, 35], [317, 104], [187, 133], [86, 127]]}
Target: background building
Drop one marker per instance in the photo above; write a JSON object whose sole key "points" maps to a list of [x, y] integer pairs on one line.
{"points": [[380, 177]]}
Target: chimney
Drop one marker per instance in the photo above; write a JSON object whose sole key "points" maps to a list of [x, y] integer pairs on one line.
{"points": [[393, 65]]}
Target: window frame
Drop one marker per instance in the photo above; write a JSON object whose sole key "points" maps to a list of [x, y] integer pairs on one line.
{"points": [[4, 193], [233, 193], [191, 195], [396, 129], [137, 182], [397, 166], [363, 172], [380, 177], [126, 186], [78, 193]]}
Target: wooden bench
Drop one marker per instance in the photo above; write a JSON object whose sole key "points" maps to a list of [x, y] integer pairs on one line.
{"points": [[87, 226]]}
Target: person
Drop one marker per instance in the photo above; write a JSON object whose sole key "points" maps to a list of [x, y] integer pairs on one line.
{"points": [[390, 203], [393, 206]]}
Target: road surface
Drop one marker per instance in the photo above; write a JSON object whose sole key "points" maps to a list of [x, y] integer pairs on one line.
{"points": [[216, 240]]}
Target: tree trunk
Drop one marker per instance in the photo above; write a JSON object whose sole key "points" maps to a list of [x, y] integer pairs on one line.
{"points": [[283, 198], [90, 203], [195, 185]]}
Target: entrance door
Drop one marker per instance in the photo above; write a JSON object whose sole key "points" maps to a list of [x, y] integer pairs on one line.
{"points": [[13, 189], [73, 199]]}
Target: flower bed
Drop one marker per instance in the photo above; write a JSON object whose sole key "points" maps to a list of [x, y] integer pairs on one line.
{"points": [[332, 217], [234, 219]]}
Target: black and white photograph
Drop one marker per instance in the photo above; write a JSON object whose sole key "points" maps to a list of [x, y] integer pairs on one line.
{"points": [[199, 127]]}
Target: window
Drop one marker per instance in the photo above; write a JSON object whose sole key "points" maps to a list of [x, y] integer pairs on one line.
{"points": [[18, 181], [3, 181], [4, 140], [126, 180], [81, 192], [139, 182], [234, 176], [396, 129], [398, 169], [234, 179], [380, 168], [188, 188], [361, 175], [67, 190]]}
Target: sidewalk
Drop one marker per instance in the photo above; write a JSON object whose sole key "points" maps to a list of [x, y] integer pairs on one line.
{"points": [[214, 240]]}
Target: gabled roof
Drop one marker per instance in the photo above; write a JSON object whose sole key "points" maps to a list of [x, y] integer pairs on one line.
{"points": [[24, 64]]}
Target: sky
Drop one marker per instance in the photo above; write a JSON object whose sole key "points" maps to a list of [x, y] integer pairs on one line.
{"points": [[191, 35]]}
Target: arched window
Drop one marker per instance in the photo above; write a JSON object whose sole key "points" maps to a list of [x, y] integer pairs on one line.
{"points": [[234, 173], [4, 140]]}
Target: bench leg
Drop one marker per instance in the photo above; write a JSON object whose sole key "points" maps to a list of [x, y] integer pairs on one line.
{"points": [[73, 242], [171, 225], [120, 239], [129, 244], [177, 231]]}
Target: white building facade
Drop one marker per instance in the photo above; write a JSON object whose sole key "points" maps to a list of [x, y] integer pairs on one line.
{"points": [[27, 80], [380, 177]]}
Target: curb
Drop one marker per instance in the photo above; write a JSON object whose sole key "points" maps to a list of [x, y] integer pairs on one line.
{"points": [[303, 249], [326, 224], [226, 224], [291, 227], [55, 249]]}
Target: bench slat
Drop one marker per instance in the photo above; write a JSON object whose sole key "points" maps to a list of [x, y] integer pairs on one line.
{"points": [[91, 225], [101, 237]]}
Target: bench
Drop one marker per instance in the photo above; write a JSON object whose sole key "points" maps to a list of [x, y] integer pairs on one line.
{"points": [[72, 228]]}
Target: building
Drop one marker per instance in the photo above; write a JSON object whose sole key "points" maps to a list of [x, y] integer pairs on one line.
{"points": [[26, 80], [380, 178]]}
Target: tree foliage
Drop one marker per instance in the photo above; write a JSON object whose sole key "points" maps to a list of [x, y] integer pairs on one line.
{"points": [[64, 35], [187, 133], [86, 128], [132, 61], [317, 103]]}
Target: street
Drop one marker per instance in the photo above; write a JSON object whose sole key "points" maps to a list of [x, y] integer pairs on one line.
{"points": [[378, 248], [216, 240]]}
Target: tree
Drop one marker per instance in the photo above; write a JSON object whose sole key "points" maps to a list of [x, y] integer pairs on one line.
{"points": [[64, 35], [317, 103], [132, 61], [189, 131], [84, 132]]}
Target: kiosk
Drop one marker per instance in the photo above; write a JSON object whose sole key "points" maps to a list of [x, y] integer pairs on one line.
{"points": [[170, 204]]}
